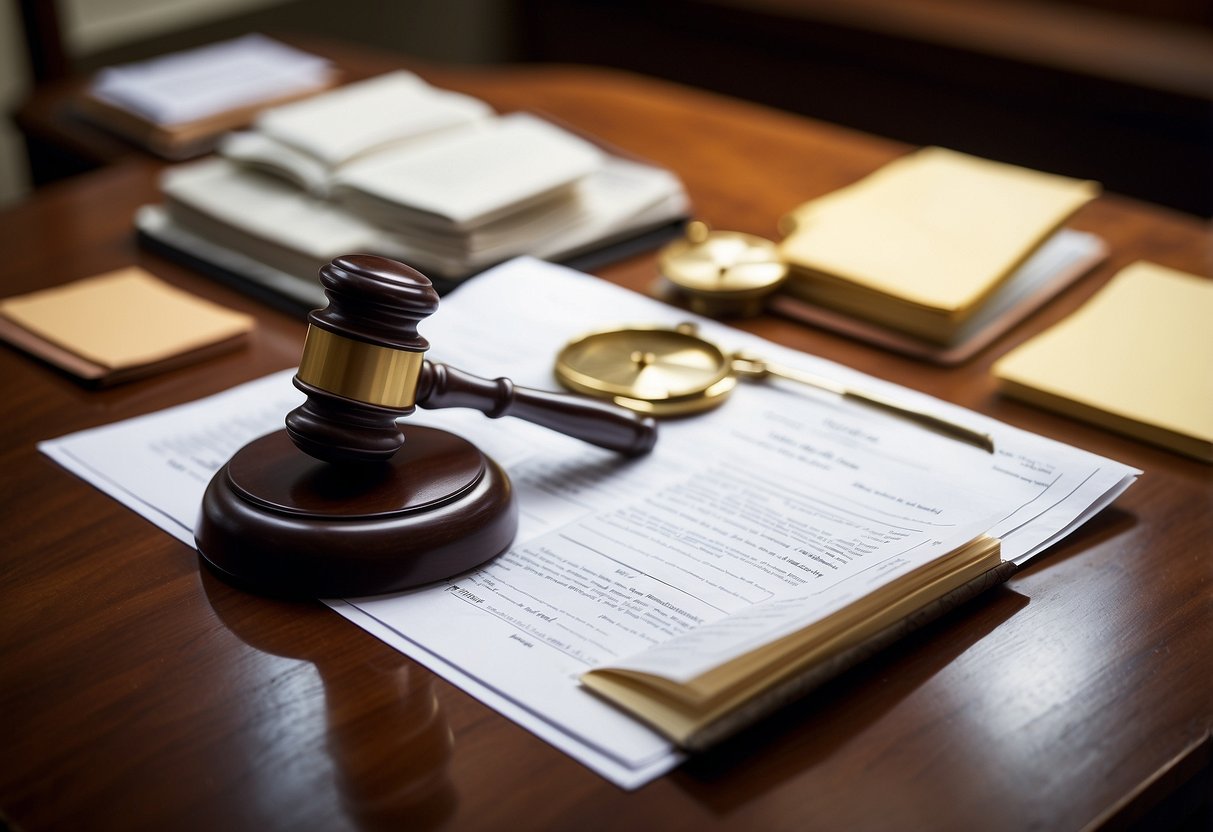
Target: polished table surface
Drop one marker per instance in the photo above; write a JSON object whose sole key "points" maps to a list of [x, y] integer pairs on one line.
{"points": [[138, 692]]}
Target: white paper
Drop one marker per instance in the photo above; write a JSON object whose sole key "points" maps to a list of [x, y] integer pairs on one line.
{"points": [[191, 85], [255, 224], [782, 493], [267, 208], [472, 177], [369, 115]]}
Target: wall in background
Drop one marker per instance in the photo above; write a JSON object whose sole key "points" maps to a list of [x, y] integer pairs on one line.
{"points": [[92, 26], [1114, 90], [1120, 91], [14, 81]]}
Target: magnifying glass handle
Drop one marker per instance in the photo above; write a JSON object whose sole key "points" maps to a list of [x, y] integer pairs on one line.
{"points": [[599, 423], [925, 419], [755, 367]]}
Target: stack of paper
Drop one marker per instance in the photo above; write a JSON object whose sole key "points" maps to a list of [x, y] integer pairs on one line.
{"points": [[745, 527], [396, 167], [212, 206], [926, 244], [178, 105], [1137, 358]]}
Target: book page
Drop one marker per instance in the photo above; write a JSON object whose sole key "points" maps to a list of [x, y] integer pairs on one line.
{"points": [[266, 208], [470, 178], [367, 116], [263, 154], [780, 491]]}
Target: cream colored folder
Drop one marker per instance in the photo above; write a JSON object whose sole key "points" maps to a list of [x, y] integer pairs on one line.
{"points": [[1137, 359], [921, 243]]}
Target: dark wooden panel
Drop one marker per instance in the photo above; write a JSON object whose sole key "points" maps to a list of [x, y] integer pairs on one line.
{"points": [[974, 84]]}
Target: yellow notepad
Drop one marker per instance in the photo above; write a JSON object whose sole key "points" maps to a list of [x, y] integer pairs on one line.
{"points": [[920, 243], [119, 325], [1137, 359]]}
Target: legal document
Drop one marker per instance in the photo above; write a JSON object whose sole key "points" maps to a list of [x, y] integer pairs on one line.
{"points": [[745, 522]]}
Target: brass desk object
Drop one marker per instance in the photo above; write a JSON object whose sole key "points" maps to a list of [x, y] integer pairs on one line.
{"points": [[722, 274], [345, 501], [676, 372]]}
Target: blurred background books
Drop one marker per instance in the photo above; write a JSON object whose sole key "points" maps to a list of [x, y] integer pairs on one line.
{"points": [[396, 167], [178, 105]]}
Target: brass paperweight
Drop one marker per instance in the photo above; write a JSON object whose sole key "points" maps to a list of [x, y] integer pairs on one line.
{"points": [[722, 274]]}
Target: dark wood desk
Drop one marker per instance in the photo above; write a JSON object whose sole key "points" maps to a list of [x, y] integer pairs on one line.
{"points": [[139, 693]]}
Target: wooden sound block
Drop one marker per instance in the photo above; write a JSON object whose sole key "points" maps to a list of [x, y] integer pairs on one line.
{"points": [[345, 502], [276, 520]]}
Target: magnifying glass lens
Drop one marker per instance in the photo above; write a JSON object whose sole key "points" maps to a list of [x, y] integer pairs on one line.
{"points": [[645, 365]]}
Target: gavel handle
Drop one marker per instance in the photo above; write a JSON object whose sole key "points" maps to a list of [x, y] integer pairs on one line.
{"points": [[599, 423]]}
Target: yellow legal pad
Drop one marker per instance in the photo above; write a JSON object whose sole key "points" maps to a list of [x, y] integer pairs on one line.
{"points": [[119, 325], [1137, 358], [920, 243]]}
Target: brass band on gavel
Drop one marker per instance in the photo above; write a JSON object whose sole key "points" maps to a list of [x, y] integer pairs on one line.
{"points": [[358, 370]]}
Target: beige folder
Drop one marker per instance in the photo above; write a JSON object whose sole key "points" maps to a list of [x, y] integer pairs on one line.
{"points": [[1137, 359], [119, 325]]}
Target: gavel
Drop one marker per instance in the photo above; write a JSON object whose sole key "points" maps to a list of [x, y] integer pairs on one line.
{"points": [[346, 501], [363, 368]]}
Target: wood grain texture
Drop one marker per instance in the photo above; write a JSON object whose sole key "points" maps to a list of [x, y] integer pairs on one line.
{"points": [[138, 692]]}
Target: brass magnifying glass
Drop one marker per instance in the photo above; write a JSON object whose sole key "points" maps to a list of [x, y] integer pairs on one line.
{"points": [[661, 371]]}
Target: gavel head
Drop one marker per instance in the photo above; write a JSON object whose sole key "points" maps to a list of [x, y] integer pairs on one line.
{"points": [[362, 360]]}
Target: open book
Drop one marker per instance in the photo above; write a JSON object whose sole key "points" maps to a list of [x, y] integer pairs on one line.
{"points": [[933, 244], [395, 167], [309, 141], [510, 171]]}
